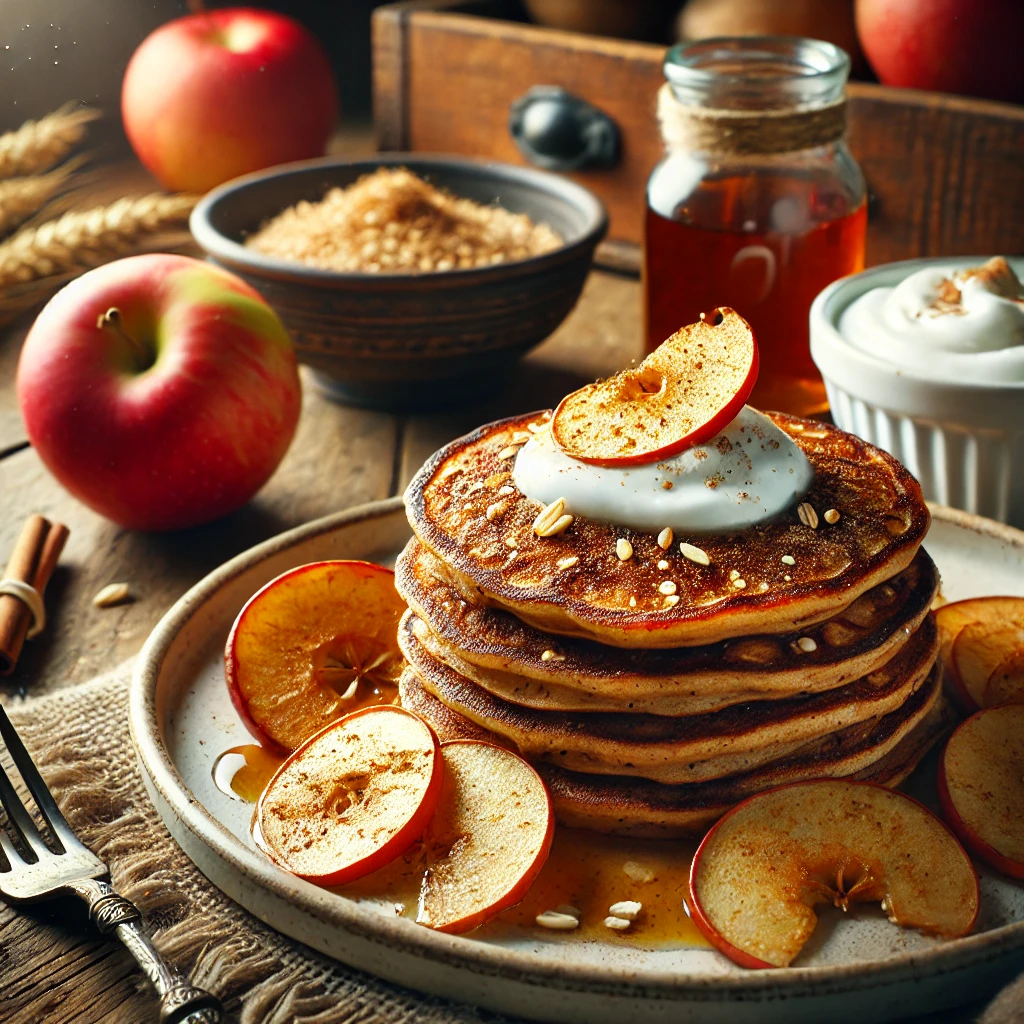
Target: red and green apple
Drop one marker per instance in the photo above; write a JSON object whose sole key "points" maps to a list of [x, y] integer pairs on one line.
{"points": [[161, 391]]}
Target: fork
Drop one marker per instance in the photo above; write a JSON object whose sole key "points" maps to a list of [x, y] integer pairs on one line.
{"points": [[37, 872]]}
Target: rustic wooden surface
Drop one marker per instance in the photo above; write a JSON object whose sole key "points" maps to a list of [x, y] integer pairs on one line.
{"points": [[943, 172]]}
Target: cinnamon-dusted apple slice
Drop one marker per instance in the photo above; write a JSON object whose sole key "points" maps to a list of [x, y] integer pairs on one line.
{"points": [[315, 643], [978, 652], [981, 786], [683, 393], [488, 840], [763, 868], [353, 797]]}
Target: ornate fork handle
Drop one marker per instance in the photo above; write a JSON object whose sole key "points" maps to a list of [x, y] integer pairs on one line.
{"points": [[180, 1002]]}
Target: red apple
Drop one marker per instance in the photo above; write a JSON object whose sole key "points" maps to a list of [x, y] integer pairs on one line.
{"points": [[687, 390], [353, 797], [763, 868], [221, 93], [159, 390], [970, 47]]}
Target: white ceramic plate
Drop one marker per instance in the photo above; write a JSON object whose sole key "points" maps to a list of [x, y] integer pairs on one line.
{"points": [[859, 968]]}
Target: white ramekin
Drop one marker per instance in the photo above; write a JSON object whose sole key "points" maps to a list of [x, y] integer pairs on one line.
{"points": [[964, 441]]}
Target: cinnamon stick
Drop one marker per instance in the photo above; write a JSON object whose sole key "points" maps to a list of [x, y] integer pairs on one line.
{"points": [[32, 561]]}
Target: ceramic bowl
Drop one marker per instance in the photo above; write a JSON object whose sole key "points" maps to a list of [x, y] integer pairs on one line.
{"points": [[407, 342], [964, 441]]}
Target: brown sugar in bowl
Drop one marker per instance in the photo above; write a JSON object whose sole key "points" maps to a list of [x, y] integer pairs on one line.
{"points": [[410, 341]]}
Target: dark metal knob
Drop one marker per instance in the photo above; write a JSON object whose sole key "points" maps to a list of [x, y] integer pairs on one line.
{"points": [[560, 132]]}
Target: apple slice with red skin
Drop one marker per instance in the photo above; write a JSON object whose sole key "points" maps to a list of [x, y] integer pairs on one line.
{"points": [[353, 797], [952, 618], [313, 644], [761, 870], [488, 840], [978, 651], [684, 393], [1006, 684], [981, 786]]}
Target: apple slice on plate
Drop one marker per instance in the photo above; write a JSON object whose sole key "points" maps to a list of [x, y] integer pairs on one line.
{"points": [[488, 840], [763, 868], [1006, 684], [353, 797], [981, 786], [683, 393], [312, 645], [980, 652], [954, 617]]}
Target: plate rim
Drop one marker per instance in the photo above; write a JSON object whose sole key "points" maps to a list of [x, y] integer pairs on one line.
{"points": [[483, 958]]}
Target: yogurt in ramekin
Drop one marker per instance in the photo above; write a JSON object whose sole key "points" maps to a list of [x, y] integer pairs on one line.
{"points": [[925, 359]]}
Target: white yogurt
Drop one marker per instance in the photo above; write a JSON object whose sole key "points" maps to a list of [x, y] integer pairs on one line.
{"points": [[751, 471], [979, 337]]}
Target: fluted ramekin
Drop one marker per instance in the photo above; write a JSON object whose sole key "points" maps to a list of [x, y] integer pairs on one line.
{"points": [[963, 440]]}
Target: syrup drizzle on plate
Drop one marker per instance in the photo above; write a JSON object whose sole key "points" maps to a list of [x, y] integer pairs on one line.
{"points": [[244, 771]]}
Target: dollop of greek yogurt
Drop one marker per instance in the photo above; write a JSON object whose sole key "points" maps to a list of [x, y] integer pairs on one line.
{"points": [[946, 322], [749, 472]]}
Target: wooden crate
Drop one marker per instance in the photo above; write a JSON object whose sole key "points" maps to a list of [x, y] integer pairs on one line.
{"points": [[945, 174]]}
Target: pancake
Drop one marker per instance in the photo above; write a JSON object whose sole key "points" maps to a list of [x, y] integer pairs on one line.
{"points": [[574, 584], [520, 664], [884, 750], [680, 749]]}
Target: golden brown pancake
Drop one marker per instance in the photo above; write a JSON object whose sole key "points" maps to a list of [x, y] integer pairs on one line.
{"points": [[521, 664], [884, 750], [691, 748], [497, 559]]}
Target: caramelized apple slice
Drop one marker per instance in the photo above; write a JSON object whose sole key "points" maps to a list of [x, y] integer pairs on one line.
{"points": [[1006, 684], [488, 840], [981, 786], [314, 644], [353, 797], [683, 393], [952, 618], [978, 651], [760, 872]]}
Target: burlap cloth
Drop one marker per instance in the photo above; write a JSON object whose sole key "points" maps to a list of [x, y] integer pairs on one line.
{"points": [[80, 739]]}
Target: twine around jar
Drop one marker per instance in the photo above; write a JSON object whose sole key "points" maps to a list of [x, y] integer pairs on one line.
{"points": [[719, 130]]}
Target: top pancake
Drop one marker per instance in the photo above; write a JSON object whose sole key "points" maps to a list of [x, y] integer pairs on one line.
{"points": [[575, 585]]}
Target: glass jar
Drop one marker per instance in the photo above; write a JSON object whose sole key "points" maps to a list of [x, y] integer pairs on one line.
{"points": [[758, 203]]}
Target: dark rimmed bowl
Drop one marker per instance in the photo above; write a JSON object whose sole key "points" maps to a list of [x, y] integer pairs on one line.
{"points": [[408, 342]]}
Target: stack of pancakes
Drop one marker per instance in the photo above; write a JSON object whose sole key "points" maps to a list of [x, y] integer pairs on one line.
{"points": [[804, 647]]}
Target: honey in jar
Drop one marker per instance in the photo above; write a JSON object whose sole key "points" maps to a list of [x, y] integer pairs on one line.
{"points": [[758, 203]]}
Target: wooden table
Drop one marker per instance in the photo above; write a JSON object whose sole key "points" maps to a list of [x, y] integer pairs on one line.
{"points": [[340, 457]]}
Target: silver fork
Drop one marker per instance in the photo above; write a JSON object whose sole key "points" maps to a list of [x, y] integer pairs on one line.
{"points": [[37, 872]]}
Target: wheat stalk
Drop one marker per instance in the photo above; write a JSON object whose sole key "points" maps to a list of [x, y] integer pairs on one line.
{"points": [[38, 145], [83, 239], [20, 198]]}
